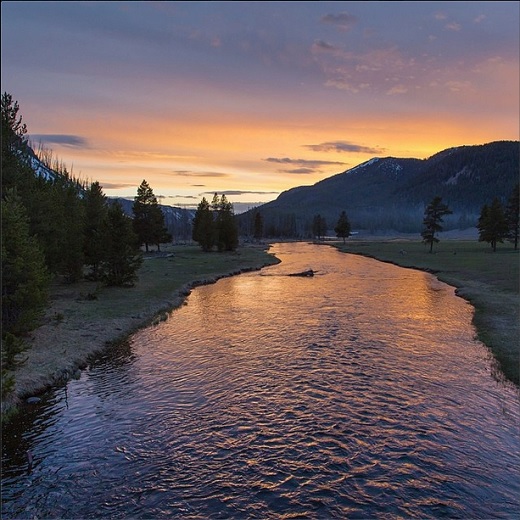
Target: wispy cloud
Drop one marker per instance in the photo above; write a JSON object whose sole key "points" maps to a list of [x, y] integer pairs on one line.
{"points": [[323, 46], [343, 146], [453, 26], [75, 141], [189, 173], [307, 162], [304, 166], [189, 197], [237, 193], [247, 192], [342, 21], [397, 89], [116, 185]]}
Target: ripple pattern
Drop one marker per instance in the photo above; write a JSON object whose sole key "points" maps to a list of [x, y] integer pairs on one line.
{"points": [[358, 393]]}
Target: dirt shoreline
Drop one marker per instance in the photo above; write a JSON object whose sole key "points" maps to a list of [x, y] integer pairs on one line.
{"points": [[72, 335], [67, 342]]}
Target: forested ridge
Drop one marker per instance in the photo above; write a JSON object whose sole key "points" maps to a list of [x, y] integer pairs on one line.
{"points": [[390, 194]]}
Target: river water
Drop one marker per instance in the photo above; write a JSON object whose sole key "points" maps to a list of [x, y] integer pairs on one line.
{"points": [[360, 392]]}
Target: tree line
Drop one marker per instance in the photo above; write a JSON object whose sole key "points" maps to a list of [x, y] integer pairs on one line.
{"points": [[214, 225], [497, 222], [60, 229]]}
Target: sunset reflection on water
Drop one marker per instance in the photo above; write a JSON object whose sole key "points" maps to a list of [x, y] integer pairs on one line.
{"points": [[359, 392]]}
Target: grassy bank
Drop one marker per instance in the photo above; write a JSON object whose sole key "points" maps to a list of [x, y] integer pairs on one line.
{"points": [[84, 318], [489, 281]]}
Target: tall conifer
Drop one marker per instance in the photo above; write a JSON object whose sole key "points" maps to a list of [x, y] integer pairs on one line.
{"points": [[25, 278], [342, 228], [203, 230], [148, 220], [122, 256], [492, 224], [227, 229], [513, 215], [433, 217], [96, 212]]}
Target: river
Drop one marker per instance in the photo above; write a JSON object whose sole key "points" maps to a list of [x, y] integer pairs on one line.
{"points": [[360, 392]]}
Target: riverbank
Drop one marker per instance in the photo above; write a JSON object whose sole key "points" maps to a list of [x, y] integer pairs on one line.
{"points": [[83, 319], [487, 280]]}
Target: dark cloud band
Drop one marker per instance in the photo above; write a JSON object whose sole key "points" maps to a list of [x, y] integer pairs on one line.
{"points": [[343, 21], [301, 162], [63, 139], [342, 146]]}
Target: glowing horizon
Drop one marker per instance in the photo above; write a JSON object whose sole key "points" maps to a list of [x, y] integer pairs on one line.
{"points": [[251, 99]]}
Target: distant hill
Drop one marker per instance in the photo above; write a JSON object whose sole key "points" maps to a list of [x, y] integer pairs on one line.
{"points": [[391, 194], [178, 220]]}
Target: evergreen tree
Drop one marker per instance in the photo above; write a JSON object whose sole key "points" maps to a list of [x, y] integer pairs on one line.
{"points": [[342, 228], [71, 249], [258, 230], [227, 229], [203, 230], [13, 129], [148, 218], [54, 208], [433, 216], [513, 215], [492, 224], [96, 212], [122, 256], [319, 226], [16, 173], [25, 279]]}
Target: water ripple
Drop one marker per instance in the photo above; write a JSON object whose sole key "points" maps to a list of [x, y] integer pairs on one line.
{"points": [[360, 393]]}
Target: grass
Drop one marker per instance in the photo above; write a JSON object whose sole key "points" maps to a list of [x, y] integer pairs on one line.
{"points": [[488, 280], [84, 318]]}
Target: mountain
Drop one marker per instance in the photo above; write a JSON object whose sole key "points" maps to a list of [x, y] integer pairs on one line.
{"points": [[391, 193], [177, 220]]}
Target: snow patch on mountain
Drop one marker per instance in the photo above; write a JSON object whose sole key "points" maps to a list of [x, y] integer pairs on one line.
{"points": [[363, 165], [465, 172]]}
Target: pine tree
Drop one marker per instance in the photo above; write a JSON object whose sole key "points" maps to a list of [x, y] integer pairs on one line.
{"points": [[492, 224], [513, 215], [13, 129], [16, 172], [71, 249], [122, 256], [25, 278], [342, 228], [433, 216], [319, 226], [258, 229], [227, 229], [148, 218], [203, 230], [96, 212]]}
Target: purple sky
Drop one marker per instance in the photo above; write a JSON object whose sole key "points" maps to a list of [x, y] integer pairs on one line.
{"points": [[253, 98]]}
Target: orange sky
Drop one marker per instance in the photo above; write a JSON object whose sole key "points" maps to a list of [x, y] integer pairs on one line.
{"points": [[250, 99]]}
